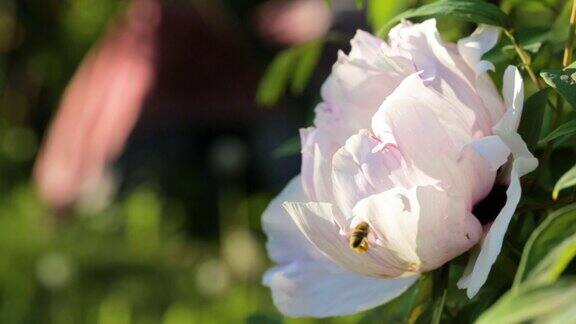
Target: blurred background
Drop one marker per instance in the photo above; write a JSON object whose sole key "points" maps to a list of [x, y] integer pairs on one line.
{"points": [[136, 154]]}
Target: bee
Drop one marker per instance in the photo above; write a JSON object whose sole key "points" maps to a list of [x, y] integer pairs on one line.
{"points": [[359, 238]]}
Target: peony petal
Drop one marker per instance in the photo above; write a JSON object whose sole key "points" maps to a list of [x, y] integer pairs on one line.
{"points": [[479, 162], [322, 289], [317, 150], [508, 125], [472, 48], [328, 231], [513, 91], [359, 171], [424, 227], [524, 162], [285, 241], [306, 283], [442, 68], [492, 149], [476, 273], [365, 47], [431, 133], [425, 118]]}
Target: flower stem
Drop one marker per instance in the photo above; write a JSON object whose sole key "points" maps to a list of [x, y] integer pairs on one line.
{"points": [[525, 58], [569, 43], [440, 288]]}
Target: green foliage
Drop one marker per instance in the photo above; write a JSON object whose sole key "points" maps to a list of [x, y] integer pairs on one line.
{"points": [[538, 292], [531, 303], [564, 82], [439, 307], [276, 78], [566, 181], [290, 68], [476, 11], [380, 12], [554, 264], [531, 123], [565, 130], [288, 148], [306, 60], [557, 227]]}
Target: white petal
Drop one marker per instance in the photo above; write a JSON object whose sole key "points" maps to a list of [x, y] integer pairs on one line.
{"points": [[492, 149], [507, 126], [425, 116], [365, 46], [513, 92], [475, 276], [322, 289], [285, 241], [361, 168], [524, 162], [470, 51], [327, 230], [474, 46], [431, 132], [480, 160], [425, 227], [445, 71], [317, 151]]}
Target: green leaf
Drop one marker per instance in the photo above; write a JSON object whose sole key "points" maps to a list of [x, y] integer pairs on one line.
{"points": [[398, 310], [552, 266], [288, 148], [564, 82], [418, 304], [438, 308], [292, 68], [359, 4], [263, 319], [440, 288], [380, 12], [530, 303], [308, 56], [566, 129], [532, 48], [566, 181], [476, 11], [552, 231], [531, 122], [275, 80]]}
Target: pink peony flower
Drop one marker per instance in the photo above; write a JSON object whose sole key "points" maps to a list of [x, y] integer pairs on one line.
{"points": [[407, 141], [100, 107], [294, 21]]}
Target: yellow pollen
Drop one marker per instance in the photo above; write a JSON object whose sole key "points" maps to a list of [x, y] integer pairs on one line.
{"points": [[411, 267]]}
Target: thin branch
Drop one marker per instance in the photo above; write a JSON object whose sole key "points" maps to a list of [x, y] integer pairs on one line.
{"points": [[525, 58], [570, 42]]}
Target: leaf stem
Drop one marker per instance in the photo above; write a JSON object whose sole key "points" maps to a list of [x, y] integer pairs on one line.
{"points": [[567, 59], [440, 289], [525, 58], [556, 114]]}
